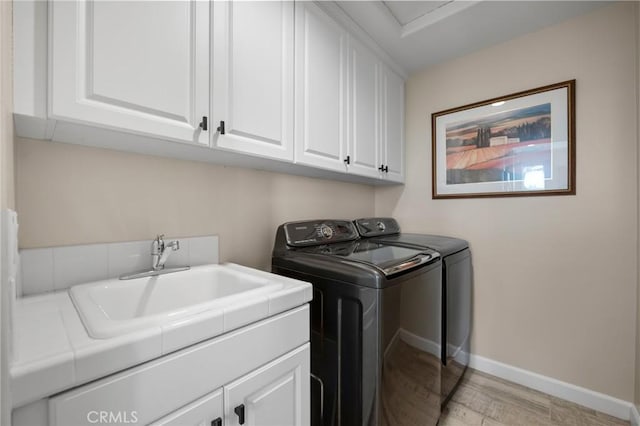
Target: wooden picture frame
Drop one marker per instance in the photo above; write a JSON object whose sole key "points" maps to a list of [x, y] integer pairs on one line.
{"points": [[521, 144]]}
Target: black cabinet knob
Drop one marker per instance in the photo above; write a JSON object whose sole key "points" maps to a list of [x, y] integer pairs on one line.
{"points": [[347, 160], [217, 422], [203, 124], [239, 410]]}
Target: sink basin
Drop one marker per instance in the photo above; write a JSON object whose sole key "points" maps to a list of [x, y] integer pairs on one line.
{"points": [[113, 307]]}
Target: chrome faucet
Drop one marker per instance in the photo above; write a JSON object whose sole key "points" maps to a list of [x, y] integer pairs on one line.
{"points": [[160, 252]]}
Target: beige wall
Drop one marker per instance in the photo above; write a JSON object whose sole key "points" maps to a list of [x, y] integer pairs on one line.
{"points": [[68, 194], [555, 277]]}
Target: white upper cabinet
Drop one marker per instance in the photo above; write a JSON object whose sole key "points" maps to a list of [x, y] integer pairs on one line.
{"points": [[392, 118], [286, 86], [364, 108], [321, 89], [253, 82], [137, 66]]}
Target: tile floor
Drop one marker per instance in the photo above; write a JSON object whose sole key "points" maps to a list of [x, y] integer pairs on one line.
{"points": [[484, 400]]}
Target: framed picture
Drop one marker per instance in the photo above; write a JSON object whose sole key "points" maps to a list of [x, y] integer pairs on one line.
{"points": [[521, 144]]}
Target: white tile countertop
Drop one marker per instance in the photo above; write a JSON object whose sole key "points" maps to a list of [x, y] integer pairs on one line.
{"points": [[52, 350]]}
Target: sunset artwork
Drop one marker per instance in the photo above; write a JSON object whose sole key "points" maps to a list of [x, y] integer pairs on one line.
{"points": [[506, 146]]}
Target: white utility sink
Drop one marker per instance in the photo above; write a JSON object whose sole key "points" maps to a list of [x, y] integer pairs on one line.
{"points": [[113, 307]]}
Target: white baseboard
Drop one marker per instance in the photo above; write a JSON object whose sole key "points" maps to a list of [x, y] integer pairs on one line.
{"points": [[619, 408], [425, 345], [429, 346], [598, 401], [635, 415]]}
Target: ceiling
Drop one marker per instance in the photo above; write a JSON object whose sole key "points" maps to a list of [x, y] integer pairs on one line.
{"points": [[419, 34], [407, 11]]}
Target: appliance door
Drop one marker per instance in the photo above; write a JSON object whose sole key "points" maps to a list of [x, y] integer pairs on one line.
{"points": [[411, 344], [375, 352], [457, 276]]}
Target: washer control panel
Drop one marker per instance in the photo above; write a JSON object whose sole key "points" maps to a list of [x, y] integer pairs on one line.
{"points": [[318, 232], [375, 226]]}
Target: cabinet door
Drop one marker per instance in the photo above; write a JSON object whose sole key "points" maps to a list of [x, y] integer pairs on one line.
{"points": [[274, 395], [320, 88], [206, 411], [253, 77], [364, 117], [136, 66], [392, 106]]}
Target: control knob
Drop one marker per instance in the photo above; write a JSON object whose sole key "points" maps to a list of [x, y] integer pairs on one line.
{"points": [[326, 231]]}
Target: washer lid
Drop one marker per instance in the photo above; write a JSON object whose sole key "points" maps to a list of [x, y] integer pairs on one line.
{"points": [[443, 245], [389, 259]]}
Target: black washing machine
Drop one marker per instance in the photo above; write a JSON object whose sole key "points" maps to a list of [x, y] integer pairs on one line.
{"points": [[457, 278], [376, 323]]}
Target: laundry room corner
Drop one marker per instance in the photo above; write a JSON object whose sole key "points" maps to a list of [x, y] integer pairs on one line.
{"points": [[540, 300]]}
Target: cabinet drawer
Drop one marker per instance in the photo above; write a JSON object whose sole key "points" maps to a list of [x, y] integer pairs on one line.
{"points": [[159, 387]]}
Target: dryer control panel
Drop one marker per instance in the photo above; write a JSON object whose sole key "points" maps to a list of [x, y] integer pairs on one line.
{"points": [[319, 232], [375, 226]]}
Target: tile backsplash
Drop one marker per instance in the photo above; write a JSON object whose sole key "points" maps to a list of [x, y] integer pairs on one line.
{"points": [[57, 268]]}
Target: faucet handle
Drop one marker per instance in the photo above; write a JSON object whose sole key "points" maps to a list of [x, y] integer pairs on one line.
{"points": [[157, 246]]}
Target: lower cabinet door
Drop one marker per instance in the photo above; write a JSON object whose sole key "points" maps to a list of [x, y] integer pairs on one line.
{"points": [[274, 395], [206, 411]]}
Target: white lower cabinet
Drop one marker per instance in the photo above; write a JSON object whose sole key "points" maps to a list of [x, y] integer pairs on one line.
{"points": [[274, 395], [207, 411], [257, 375]]}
